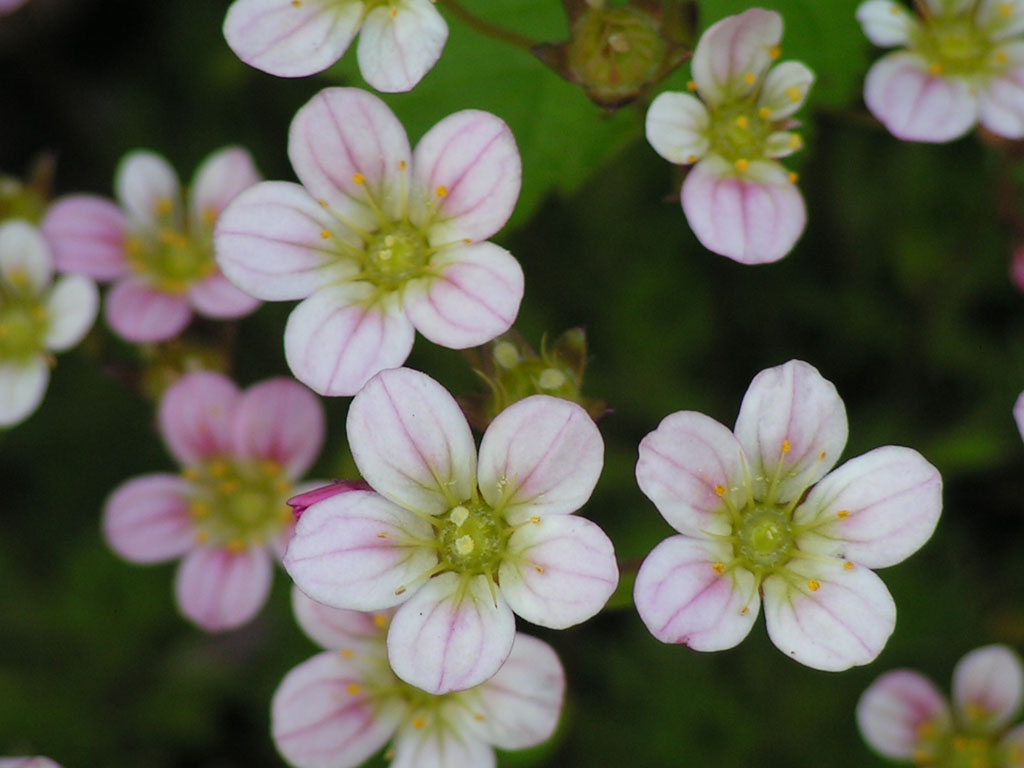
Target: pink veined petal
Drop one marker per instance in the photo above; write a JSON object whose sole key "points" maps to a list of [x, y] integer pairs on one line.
{"points": [[87, 233], [146, 185], [522, 702], [681, 597], [1001, 104], [893, 709], [280, 420], [22, 386], [334, 343], [785, 88], [349, 150], [411, 442], [451, 634], [146, 519], [987, 686], [287, 39], [71, 308], [466, 177], [561, 572], [684, 466], [24, 255], [23, 762], [196, 416], [221, 590], [876, 509], [827, 617], [219, 180], [270, 243], [916, 106], [473, 297], [752, 218], [446, 740], [216, 297], [732, 48], [1012, 747], [320, 491], [540, 456], [677, 127], [792, 426], [360, 552], [886, 23], [322, 714], [335, 629], [138, 312], [1018, 414], [400, 43]]}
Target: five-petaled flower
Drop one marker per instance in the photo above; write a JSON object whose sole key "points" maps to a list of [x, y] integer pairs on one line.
{"points": [[738, 199], [340, 707], [226, 511], [400, 40], [35, 318], [905, 717], [383, 241], [157, 247], [752, 528], [961, 62], [459, 542]]}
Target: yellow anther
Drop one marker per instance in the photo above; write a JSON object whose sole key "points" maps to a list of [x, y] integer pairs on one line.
{"points": [[18, 278], [400, 590], [164, 206], [459, 515], [786, 446], [467, 241], [842, 514], [382, 534], [296, 3], [794, 94], [236, 546], [1005, 10], [792, 177], [1002, 57], [441, 191], [742, 121], [935, 69], [959, 743], [358, 179], [691, 159], [347, 653], [921, 757], [394, 13], [199, 509], [270, 467], [795, 142], [464, 545], [718, 568], [775, 51], [325, 234], [190, 473], [926, 729], [894, 9], [719, 490], [173, 238], [202, 537], [38, 313], [535, 520], [478, 717], [323, 203], [749, 78], [419, 723], [538, 568], [848, 566], [282, 485], [227, 487], [814, 585], [742, 165], [352, 689], [764, 113], [744, 610], [286, 515], [822, 455], [219, 469], [380, 620], [691, 86], [402, 165]]}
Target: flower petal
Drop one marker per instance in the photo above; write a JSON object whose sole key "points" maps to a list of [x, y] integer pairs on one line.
{"points": [[147, 188], [731, 51], [785, 88], [219, 180], [323, 716], [540, 456], [334, 343], [291, 39], [677, 127], [1001, 19], [681, 597], [349, 150], [445, 740], [1001, 103], [886, 23], [23, 762], [24, 255], [400, 43], [473, 298], [319, 490], [196, 416], [1018, 414], [692, 467], [138, 312], [792, 426], [221, 590], [827, 616], [360, 552], [22, 386], [71, 307], [987, 686], [411, 442], [876, 509], [335, 629], [915, 105], [467, 175], [559, 571], [280, 420], [892, 711], [218, 298], [452, 634], [146, 519], [754, 218], [86, 233]]}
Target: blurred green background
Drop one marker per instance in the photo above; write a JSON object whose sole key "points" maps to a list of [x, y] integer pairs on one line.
{"points": [[898, 292]]}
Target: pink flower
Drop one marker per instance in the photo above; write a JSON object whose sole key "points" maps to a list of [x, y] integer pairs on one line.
{"points": [[226, 513], [960, 63], [738, 199], [752, 527], [381, 240], [157, 247], [36, 318], [459, 542], [340, 707], [903, 715], [400, 41], [303, 501]]}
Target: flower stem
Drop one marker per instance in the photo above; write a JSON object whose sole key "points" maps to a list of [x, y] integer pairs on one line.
{"points": [[485, 27]]}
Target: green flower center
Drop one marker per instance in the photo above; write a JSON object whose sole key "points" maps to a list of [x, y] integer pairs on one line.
{"points": [[738, 132], [171, 260], [969, 752], [954, 45], [764, 539], [472, 539], [238, 504], [23, 320], [396, 254]]}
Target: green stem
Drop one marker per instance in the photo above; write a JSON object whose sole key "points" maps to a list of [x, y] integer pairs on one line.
{"points": [[485, 27]]}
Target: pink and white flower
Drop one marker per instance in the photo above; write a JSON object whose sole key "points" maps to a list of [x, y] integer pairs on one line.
{"points": [[752, 528], [157, 246], [457, 541], [959, 63], [401, 40], [37, 317], [340, 707], [227, 512], [738, 199], [379, 241], [903, 716]]}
